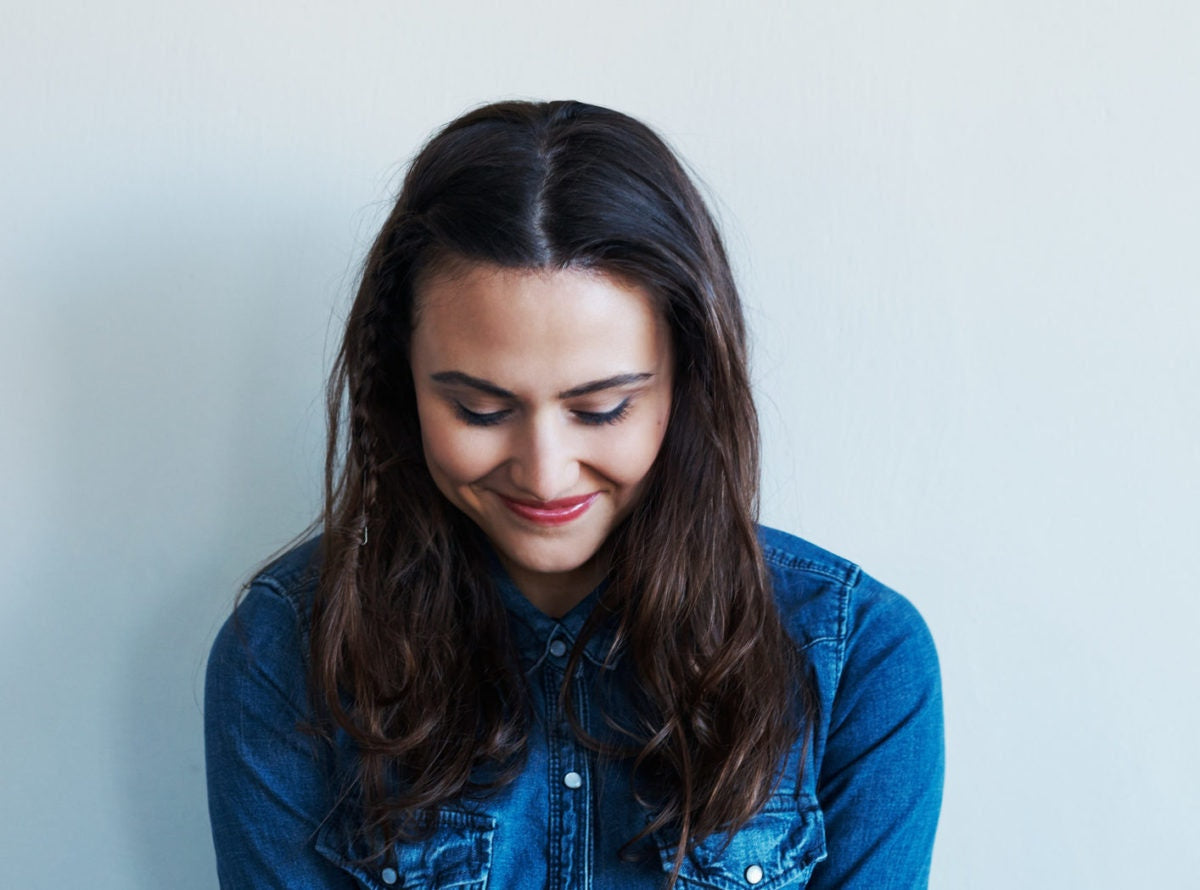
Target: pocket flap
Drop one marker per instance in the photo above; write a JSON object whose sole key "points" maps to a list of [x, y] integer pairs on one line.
{"points": [[777, 848], [456, 853]]}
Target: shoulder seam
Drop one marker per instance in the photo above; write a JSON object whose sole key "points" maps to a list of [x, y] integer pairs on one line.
{"points": [[848, 588], [284, 593], [788, 561]]}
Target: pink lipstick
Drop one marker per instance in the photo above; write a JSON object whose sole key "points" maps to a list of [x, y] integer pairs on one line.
{"points": [[551, 512]]}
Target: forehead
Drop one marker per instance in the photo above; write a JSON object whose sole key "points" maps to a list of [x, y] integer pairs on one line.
{"points": [[533, 329]]}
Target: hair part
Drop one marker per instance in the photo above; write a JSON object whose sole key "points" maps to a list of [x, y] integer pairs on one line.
{"points": [[405, 590]]}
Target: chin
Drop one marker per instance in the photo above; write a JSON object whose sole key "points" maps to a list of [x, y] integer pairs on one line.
{"points": [[549, 563]]}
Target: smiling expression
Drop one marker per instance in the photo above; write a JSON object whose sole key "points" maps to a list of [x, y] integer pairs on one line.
{"points": [[543, 399]]}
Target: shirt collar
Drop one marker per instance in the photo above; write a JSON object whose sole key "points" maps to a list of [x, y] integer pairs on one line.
{"points": [[534, 632]]}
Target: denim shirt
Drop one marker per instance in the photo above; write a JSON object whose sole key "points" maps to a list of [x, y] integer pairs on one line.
{"points": [[861, 813]]}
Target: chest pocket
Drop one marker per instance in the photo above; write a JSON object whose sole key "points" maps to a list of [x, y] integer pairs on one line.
{"points": [[457, 854], [777, 848]]}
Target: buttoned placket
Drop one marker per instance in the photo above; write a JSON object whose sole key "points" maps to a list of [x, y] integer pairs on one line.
{"points": [[570, 775]]}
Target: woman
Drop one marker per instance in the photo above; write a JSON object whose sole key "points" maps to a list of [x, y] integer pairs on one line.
{"points": [[541, 641]]}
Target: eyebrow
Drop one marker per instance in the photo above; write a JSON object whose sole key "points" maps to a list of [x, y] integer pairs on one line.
{"points": [[460, 379]]}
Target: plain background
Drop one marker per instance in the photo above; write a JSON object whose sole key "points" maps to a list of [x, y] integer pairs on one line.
{"points": [[968, 235]]}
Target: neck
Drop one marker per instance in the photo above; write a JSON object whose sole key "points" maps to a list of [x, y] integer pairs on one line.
{"points": [[558, 593]]}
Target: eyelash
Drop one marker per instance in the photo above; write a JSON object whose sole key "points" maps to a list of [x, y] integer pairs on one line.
{"points": [[596, 418], [589, 418], [474, 418]]}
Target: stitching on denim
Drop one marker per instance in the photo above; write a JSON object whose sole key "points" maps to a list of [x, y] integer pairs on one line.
{"points": [[584, 863], [787, 561], [290, 595], [255, 665], [844, 622], [820, 641], [844, 573], [554, 768]]}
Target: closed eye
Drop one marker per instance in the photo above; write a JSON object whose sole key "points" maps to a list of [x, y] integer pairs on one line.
{"points": [[476, 418], [491, 418], [596, 418]]}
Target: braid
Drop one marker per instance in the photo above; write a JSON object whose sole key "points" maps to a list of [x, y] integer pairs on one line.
{"points": [[367, 376], [364, 436]]}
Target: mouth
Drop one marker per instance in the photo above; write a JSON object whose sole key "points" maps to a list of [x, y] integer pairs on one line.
{"points": [[551, 512]]}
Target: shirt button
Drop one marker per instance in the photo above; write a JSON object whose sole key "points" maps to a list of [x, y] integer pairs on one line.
{"points": [[754, 874], [389, 875], [558, 648], [573, 780]]}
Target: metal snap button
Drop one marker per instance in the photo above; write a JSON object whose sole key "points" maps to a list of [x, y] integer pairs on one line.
{"points": [[573, 780], [754, 874], [558, 648], [389, 875]]}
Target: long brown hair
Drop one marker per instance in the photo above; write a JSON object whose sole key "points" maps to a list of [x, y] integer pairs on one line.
{"points": [[410, 649]]}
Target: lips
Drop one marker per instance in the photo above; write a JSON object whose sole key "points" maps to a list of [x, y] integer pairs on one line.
{"points": [[551, 512]]}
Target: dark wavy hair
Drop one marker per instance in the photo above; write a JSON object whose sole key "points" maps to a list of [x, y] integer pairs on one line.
{"points": [[410, 649]]}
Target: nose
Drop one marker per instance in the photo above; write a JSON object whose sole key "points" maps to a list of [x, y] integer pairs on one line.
{"points": [[544, 465]]}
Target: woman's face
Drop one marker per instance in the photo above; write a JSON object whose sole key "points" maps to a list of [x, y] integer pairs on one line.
{"points": [[543, 399]]}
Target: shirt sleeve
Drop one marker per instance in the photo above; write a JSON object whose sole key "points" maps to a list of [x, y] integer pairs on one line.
{"points": [[268, 781], [880, 780]]}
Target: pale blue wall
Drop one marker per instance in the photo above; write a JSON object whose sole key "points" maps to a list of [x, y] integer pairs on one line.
{"points": [[968, 236]]}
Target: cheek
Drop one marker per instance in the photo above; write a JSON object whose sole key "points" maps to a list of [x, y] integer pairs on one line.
{"points": [[628, 460], [452, 452]]}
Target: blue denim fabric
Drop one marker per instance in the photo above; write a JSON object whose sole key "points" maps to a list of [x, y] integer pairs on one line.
{"points": [[862, 815]]}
